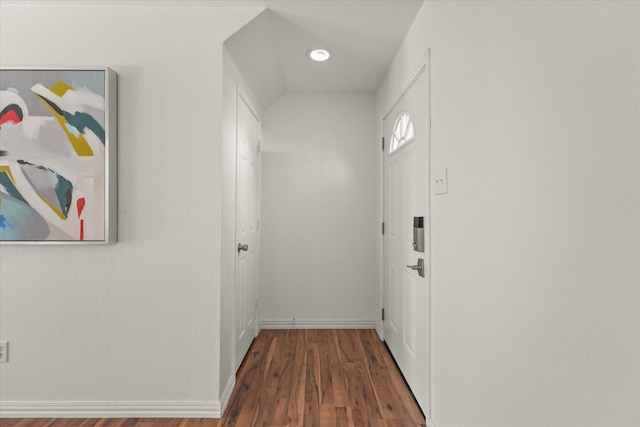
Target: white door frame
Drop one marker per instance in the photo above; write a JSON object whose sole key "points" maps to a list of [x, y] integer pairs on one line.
{"points": [[426, 67]]}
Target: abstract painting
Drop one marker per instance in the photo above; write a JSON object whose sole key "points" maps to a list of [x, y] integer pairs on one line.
{"points": [[57, 155]]}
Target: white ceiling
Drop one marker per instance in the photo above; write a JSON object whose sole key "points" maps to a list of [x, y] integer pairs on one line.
{"points": [[364, 36]]}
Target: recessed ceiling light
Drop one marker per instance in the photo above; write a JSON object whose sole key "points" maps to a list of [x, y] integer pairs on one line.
{"points": [[319, 55]]}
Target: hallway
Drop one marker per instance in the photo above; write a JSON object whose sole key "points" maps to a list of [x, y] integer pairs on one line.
{"points": [[532, 200]]}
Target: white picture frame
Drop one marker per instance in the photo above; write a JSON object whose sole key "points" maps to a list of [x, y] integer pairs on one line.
{"points": [[58, 155]]}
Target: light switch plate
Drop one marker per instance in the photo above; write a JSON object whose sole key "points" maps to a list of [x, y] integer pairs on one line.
{"points": [[4, 348], [440, 184]]}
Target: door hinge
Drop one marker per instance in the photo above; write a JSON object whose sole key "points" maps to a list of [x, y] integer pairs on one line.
{"points": [[383, 228], [383, 314], [383, 143]]}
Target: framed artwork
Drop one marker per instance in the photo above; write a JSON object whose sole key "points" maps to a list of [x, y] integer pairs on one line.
{"points": [[58, 155]]}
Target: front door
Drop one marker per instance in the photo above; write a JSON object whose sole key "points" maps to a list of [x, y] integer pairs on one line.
{"points": [[247, 224], [406, 208]]}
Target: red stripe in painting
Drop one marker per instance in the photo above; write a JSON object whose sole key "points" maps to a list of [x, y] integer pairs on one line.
{"points": [[10, 116], [80, 204]]}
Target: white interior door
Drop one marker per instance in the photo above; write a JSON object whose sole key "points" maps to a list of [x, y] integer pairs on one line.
{"points": [[406, 195], [247, 227]]}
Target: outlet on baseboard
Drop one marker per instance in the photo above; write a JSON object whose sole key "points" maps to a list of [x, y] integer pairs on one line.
{"points": [[4, 349]]}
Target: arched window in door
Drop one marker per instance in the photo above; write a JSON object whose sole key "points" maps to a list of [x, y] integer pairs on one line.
{"points": [[402, 132]]}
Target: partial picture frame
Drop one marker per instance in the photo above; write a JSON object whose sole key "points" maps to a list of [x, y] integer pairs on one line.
{"points": [[58, 155]]}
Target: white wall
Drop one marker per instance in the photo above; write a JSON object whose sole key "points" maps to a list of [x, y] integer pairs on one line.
{"points": [[132, 328], [319, 219], [536, 248]]}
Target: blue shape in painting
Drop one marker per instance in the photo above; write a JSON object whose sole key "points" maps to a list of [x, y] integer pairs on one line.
{"points": [[72, 130], [7, 183], [19, 221], [79, 121], [4, 224]]}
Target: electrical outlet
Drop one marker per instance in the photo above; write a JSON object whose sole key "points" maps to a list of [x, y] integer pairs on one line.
{"points": [[4, 349]]}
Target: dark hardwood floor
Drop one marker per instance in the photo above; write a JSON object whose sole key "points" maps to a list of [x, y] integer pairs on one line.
{"points": [[320, 378], [108, 422], [299, 378]]}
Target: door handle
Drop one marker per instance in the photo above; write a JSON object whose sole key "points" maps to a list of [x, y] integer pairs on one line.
{"points": [[242, 247], [418, 267]]}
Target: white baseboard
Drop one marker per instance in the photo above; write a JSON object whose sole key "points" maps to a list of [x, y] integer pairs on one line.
{"points": [[316, 324], [226, 394], [147, 409]]}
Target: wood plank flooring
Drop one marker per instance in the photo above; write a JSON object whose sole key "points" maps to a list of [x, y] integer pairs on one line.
{"points": [[320, 378], [290, 378], [109, 422]]}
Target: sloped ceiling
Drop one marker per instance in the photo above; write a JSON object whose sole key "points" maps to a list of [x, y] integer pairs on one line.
{"points": [[255, 51], [271, 51]]}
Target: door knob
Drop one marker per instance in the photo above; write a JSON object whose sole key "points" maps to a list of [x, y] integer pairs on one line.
{"points": [[242, 247], [418, 267]]}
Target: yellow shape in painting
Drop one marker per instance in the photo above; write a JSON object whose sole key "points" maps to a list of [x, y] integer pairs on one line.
{"points": [[60, 88], [7, 170], [79, 144], [54, 208]]}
